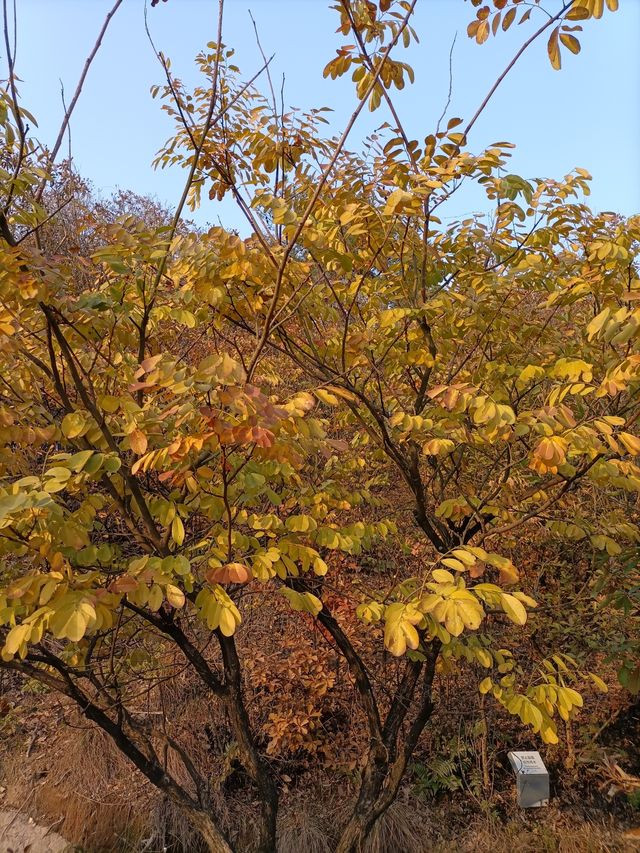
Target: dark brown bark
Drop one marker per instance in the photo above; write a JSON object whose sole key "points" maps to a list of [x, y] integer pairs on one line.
{"points": [[230, 693], [381, 780], [253, 762], [389, 749], [194, 809]]}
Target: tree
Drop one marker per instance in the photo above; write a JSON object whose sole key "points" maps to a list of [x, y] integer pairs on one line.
{"points": [[162, 457]]}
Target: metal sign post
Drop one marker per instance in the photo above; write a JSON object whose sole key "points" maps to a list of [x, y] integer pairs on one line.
{"points": [[532, 779]]}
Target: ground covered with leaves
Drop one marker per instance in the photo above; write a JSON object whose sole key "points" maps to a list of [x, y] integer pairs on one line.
{"points": [[459, 793]]}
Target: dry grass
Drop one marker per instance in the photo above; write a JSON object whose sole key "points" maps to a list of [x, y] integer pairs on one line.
{"points": [[118, 811], [83, 779], [75, 772], [167, 829], [401, 827], [419, 826], [301, 829], [552, 832], [76, 778]]}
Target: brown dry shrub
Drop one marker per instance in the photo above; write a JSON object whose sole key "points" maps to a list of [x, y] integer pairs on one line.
{"points": [[81, 777], [547, 831], [401, 827], [302, 829]]}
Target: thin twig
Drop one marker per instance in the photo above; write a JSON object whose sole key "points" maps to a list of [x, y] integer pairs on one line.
{"points": [[316, 195], [74, 100], [492, 90], [446, 106], [22, 131]]}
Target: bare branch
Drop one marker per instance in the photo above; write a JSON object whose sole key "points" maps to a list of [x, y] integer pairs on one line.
{"points": [[76, 95]]}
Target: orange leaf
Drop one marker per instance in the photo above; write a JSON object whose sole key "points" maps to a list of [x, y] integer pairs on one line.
{"points": [[477, 569], [231, 573], [138, 442], [125, 583], [553, 49]]}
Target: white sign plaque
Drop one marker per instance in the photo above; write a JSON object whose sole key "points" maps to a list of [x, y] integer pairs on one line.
{"points": [[532, 779]]}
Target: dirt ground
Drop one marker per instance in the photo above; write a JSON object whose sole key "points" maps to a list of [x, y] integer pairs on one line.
{"points": [[19, 834]]}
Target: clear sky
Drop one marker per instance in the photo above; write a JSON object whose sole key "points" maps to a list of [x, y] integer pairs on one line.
{"points": [[586, 115]]}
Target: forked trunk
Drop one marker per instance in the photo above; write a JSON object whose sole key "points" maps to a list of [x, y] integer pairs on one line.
{"points": [[250, 757], [356, 833], [370, 808], [214, 840], [381, 779]]}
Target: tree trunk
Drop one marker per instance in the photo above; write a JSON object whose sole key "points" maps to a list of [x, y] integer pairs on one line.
{"points": [[360, 824], [257, 768], [193, 810], [370, 807], [213, 839], [375, 802], [353, 836], [381, 780], [250, 757]]}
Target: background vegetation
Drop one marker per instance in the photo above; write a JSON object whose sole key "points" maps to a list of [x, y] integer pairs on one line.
{"points": [[300, 533]]}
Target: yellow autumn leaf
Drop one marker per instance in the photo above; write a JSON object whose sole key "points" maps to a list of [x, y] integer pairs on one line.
{"points": [[570, 42], [175, 596], [553, 49], [630, 442], [548, 731], [442, 576], [71, 618], [596, 325], [599, 683], [155, 598], [320, 567], [138, 442], [452, 563], [227, 622], [469, 611], [400, 632], [370, 612], [485, 685], [73, 424], [177, 530], [513, 608], [326, 397], [18, 635], [109, 403], [483, 657], [464, 556]]}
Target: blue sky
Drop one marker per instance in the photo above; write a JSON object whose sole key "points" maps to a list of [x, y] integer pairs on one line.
{"points": [[586, 115]]}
